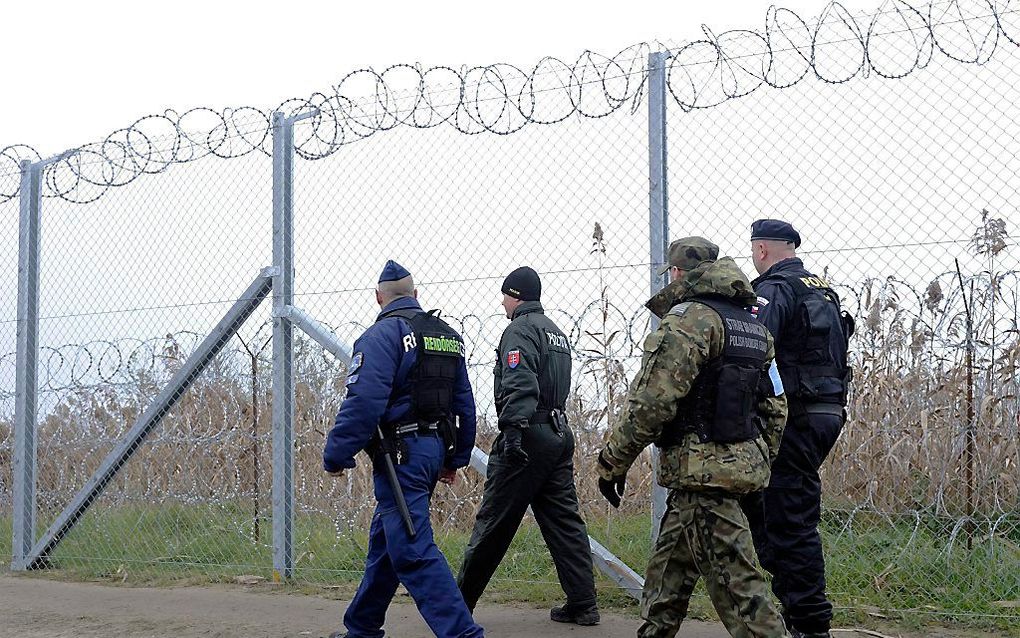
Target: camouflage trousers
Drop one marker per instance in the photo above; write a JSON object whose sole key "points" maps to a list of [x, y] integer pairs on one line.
{"points": [[706, 535]]}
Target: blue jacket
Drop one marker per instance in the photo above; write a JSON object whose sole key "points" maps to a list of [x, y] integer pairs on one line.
{"points": [[378, 392]]}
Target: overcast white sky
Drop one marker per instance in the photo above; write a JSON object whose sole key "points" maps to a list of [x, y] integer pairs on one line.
{"points": [[75, 71]]}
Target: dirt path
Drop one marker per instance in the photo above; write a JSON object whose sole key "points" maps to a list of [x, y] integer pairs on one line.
{"points": [[40, 608]]}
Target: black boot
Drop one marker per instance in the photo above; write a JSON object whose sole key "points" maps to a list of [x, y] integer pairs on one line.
{"points": [[585, 617]]}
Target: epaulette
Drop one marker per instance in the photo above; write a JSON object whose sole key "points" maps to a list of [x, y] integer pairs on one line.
{"points": [[680, 308]]}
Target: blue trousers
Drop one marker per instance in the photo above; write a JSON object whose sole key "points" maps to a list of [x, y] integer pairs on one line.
{"points": [[395, 558]]}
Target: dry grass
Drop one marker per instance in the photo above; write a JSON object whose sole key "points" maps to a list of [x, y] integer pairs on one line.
{"points": [[904, 447]]}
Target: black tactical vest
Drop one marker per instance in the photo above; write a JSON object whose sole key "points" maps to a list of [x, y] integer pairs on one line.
{"points": [[721, 406], [439, 353], [812, 358]]}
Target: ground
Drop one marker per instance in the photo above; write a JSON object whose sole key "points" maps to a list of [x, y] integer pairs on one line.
{"points": [[37, 608], [42, 608]]}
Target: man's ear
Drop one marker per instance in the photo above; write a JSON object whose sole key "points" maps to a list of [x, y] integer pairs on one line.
{"points": [[415, 293]]}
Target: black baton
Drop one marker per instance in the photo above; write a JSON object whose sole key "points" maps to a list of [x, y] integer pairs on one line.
{"points": [[391, 475]]}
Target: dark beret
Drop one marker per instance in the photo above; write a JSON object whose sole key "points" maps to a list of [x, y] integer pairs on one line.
{"points": [[775, 230]]}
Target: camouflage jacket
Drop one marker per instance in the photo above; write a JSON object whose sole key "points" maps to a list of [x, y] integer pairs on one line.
{"points": [[690, 335]]}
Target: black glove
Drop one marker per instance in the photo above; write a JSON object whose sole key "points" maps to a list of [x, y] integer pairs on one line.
{"points": [[611, 489], [512, 438]]}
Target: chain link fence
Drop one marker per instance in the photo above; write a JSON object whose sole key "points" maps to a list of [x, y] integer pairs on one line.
{"points": [[890, 141], [905, 191]]}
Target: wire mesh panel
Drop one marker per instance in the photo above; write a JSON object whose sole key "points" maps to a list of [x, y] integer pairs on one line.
{"points": [[131, 283], [461, 212], [8, 333], [904, 191]]}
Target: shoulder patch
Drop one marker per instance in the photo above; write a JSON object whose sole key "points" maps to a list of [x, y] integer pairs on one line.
{"points": [[410, 342], [680, 308], [513, 358], [353, 369], [356, 362]]}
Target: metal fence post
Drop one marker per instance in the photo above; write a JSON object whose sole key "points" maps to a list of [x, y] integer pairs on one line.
{"points": [[283, 342], [283, 353], [26, 400], [658, 219]]}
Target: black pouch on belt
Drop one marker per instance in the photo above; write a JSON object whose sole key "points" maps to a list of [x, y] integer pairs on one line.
{"points": [[559, 421], [447, 428]]}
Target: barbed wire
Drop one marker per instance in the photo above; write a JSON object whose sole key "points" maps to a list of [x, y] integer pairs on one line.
{"points": [[892, 42], [1009, 241], [935, 312]]}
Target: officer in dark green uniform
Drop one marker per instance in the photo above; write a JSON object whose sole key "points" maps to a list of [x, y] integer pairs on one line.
{"points": [[532, 459]]}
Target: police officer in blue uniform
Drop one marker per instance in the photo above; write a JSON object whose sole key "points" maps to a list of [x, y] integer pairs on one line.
{"points": [[811, 335], [407, 379]]}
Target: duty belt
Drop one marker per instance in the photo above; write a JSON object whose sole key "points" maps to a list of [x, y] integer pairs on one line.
{"points": [[554, 417], [799, 408], [417, 428], [834, 409], [541, 417]]}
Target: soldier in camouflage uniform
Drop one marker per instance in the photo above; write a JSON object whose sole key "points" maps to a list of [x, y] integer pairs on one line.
{"points": [[709, 395]]}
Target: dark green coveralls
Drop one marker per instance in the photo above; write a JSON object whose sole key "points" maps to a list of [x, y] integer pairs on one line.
{"points": [[531, 386]]}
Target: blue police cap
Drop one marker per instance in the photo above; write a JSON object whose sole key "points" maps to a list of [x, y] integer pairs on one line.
{"points": [[775, 230], [393, 271]]}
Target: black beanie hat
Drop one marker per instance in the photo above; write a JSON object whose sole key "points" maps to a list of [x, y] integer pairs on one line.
{"points": [[523, 284]]}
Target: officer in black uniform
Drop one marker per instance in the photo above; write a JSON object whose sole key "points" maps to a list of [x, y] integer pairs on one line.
{"points": [[811, 334], [532, 459]]}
